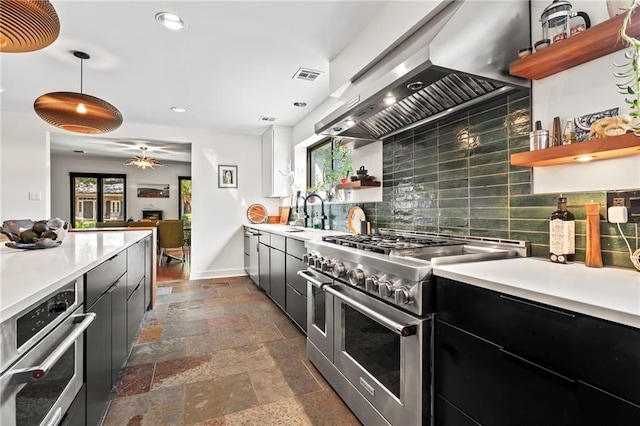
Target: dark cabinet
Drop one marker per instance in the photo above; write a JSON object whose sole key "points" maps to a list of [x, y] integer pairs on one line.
{"points": [[264, 267], [296, 288], [119, 304], [277, 277], [119, 344], [135, 265], [135, 313], [149, 264], [503, 360], [247, 252], [98, 359]]}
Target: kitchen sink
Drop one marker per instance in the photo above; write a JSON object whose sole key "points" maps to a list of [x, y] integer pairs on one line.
{"points": [[460, 253]]}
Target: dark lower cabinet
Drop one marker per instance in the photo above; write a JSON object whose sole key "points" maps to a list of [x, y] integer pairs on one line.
{"points": [[98, 365], [297, 307], [76, 414], [496, 387], [264, 267], [502, 360], [119, 311], [135, 313], [119, 344], [149, 264], [277, 277]]}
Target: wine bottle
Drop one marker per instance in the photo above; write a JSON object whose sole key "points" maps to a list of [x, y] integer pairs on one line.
{"points": [[562, 234]]}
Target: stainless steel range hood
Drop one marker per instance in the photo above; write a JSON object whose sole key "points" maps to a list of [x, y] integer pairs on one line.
{"points": [[458, 58]]}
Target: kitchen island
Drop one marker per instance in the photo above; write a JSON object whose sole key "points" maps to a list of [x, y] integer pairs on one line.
{"points": [[26, 276]]}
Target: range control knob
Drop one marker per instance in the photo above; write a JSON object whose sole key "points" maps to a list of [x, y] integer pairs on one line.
{"points": [[356, 277], [305, 258], [402, 296], [385, 289], [371, 284], [325, 266], [318, 262], [338, 270], [311, 260]]}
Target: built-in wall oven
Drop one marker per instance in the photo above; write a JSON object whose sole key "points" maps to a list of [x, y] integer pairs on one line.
{"points": [[43, 358]]}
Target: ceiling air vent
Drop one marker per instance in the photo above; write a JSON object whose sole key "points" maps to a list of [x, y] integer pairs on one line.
{"points": [[264, 118], [307, 74]]}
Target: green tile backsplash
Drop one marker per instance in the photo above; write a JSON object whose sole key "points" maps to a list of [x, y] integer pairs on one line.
{"points": [[454, 177]]}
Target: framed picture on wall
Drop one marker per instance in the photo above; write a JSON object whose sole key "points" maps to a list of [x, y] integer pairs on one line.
{"points": [[153, 190], [227, 176]]}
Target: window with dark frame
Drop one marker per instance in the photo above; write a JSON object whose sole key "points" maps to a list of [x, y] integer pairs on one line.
{"points": [[97, 197]]}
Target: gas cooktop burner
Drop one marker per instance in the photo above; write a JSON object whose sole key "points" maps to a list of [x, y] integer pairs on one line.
{"points": [[383, 243]]}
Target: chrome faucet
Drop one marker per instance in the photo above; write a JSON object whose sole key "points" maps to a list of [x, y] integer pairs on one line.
{"points": [[306, 214]]}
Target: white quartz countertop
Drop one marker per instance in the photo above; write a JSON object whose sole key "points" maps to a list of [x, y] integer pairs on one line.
{"points": [[608, 293], [28, 276], [305, 235]]}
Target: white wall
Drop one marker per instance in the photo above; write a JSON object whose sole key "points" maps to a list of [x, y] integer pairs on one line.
{"points": [[62, 165], [218, 214], [24, 167], [577, 91]]}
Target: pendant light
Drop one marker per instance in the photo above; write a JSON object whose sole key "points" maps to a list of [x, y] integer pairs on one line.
{"points": [[27, 25], [78, 112], [142, 161]]}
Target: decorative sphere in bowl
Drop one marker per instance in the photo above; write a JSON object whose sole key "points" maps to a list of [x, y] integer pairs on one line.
{"points": [[27, 234]]}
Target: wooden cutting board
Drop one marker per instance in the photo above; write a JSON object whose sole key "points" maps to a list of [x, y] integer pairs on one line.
{"points": [[284, 215], [257, 213]]}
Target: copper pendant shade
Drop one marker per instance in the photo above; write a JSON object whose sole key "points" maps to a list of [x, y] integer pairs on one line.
{"points": [[27, 25], [78, 112]]}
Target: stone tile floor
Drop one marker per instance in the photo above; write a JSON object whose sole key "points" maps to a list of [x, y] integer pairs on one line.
{"points": [[220, 352]]}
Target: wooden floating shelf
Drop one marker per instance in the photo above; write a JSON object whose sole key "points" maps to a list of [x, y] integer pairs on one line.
{"points": [[359, 184], [600, 149], [583, 47]]}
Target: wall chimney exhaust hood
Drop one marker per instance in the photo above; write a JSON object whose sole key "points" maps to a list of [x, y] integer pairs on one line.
{"points": [[458, 58]]}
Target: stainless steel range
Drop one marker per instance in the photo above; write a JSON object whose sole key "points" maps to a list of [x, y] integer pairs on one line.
{"points": [[370, 305]]}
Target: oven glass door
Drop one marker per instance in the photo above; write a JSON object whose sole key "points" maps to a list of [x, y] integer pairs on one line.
{"points": [[41, 386], [319, 312], [384, 353]]}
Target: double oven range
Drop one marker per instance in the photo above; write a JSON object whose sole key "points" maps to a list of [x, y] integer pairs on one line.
{"points": [[370, 307]]}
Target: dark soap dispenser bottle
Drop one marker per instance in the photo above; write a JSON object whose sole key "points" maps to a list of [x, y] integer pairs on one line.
{"points": [[562, 234]]}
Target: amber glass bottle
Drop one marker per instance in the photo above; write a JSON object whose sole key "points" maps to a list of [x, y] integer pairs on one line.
{"points": [[562, 234]]}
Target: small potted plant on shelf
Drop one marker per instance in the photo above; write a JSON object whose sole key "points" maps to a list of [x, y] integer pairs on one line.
{"points": [[631, 71]]}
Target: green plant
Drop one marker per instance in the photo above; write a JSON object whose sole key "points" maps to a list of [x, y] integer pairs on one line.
{"points": [[630, 88]]}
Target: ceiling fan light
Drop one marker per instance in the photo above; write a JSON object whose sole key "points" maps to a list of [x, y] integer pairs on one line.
{"points": [[26, 26], [142, 161]]}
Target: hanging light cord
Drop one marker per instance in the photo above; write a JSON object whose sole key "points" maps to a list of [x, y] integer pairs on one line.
{"points": [[81, 72], [633, 255]]}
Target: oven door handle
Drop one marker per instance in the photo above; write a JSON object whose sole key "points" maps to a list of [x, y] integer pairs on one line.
{"points": [[403, 330], [313, 280], [36, 373]]}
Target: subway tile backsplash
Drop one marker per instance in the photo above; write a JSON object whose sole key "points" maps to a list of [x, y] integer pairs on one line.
{"points": [[454, 177]]}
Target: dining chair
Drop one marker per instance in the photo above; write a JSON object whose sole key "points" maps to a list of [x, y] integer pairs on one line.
{"points": [[170, 235]]}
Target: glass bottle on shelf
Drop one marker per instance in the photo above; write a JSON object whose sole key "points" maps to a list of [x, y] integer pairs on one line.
{"points": [[569, 134], [562, 234]]}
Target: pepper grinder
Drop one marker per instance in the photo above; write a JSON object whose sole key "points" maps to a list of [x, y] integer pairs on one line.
{"points": [[556, 138], [593, 258]]}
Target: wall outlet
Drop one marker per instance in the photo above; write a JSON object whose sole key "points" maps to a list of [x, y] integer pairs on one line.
{"points": [[628, 199]]}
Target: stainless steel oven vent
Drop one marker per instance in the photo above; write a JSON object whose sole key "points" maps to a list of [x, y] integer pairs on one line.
{"points": [[458, 57]]}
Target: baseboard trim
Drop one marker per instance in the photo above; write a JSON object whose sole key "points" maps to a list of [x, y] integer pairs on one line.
{"points": [[219, 273]]}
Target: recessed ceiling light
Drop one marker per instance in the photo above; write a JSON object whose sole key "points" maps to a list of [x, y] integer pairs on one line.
{"points": [[178, 109], [300, 104], [390, 100], [170, 20]]}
